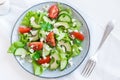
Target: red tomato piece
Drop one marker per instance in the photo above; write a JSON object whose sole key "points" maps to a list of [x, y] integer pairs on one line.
{"points": [[77, 35], [44, 60], [23, 29], [50, 39], [53, 12], [36, 45]]}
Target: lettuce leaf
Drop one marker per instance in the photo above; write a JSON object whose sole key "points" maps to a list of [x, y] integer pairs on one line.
{"points": [[26, 19], [38, 69], [75, 50], [24, 38]]}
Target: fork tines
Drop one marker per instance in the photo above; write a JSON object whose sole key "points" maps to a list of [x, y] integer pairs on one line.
{"points": [[88, 68]]}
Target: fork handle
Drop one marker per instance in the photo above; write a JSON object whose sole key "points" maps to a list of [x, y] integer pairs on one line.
{"points": [[107, 31]]}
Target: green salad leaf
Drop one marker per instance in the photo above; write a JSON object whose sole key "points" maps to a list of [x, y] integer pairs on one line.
{"points": [[46, 26], [36, 55], [38, 69], [24, 38], [26, 19]]}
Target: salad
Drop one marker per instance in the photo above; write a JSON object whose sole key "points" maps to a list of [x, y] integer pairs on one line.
{"points": [[48, 38]]}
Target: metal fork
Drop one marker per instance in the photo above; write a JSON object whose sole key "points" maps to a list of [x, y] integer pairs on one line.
{"points": [[92, 61]]}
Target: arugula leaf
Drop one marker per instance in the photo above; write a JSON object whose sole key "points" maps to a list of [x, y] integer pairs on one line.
{"points": [[77, 42], [36, 55]]}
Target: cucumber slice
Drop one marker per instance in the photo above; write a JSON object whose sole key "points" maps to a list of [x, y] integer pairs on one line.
{"points": [[64, 18], [63, 12], [55, 65], [33, 23], [66, 45], [61, 35], [65, 24], [46, 50], [63, 64], [21, 52], [34, 32], [34, 38], [46, 19]]}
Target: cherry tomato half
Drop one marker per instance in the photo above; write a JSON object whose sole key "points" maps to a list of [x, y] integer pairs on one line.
{"points": [[50, 39], [77, 35], [53, 12], [44, 60], [23, 29], [36, 45]]}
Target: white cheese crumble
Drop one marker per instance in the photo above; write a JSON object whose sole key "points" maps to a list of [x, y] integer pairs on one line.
{"points": [[74, 24], [55, 30], [44, 57], [80, 48], [33, 32], [63, 48], [23, 56], [70, 30], [32, 46], [45, 65], [53, 22], [32, 19], [73, 50], [65, 30], [46, 7], [73, 20], [71, 42], [50, 57], [30, 61], [25, 33], [81, 32], [31, 38], [70, 61], [46, 33], [46, 47], [42, 39], [76, 30], [31, 50], [72, 37], [41, 11]]}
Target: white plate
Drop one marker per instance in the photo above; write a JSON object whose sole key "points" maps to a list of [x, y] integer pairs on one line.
{"points": [[76, 60]]}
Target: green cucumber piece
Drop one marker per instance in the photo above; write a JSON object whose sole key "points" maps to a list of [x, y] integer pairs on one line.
{"points": [[63, 12], [64, 24], [54, 65], [63, 64], [46, 19], [64, 18], [21, 52], [66, 45], [46, 50], [33, 23], [34, 38]]}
